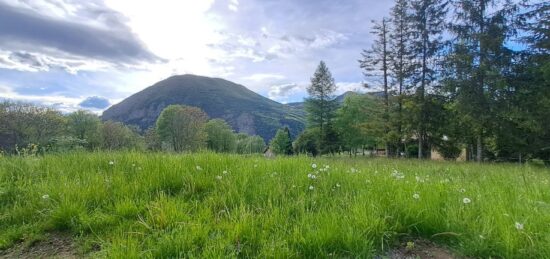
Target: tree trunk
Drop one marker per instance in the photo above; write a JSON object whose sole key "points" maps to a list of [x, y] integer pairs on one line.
{"points": [[479, 145], [420, 147]]}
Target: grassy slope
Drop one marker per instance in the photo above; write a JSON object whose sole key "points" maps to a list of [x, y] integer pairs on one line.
{"points": [[160, 205]]}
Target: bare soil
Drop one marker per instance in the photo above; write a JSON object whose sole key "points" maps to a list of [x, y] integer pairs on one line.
{"points": [[421, 249], [54, 245]]}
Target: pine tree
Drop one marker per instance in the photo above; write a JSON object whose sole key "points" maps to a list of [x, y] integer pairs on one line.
{"points": [[400, 66], [321, 107], [479, 62], [282, 142], [427, 26], [376, 62]]}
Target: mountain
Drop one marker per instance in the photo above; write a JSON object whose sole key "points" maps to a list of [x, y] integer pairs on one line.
{"points": [[245, 110], [340, 99]]}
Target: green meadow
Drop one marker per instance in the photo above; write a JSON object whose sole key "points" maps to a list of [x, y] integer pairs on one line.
{"points": [[129, 205]]}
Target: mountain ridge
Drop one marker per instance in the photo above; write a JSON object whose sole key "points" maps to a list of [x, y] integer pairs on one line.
{"points": [[246, 111]]}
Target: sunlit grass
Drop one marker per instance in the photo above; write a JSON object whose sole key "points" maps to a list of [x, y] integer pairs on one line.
{"points": [[208, 205]]}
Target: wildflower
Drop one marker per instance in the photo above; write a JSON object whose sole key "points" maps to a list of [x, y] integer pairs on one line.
{"points": [[219, 177], [338, 185], [313, 166], [224, 172], [519, 226], [111, 162], [462, 190], [466, 200], [311, 187], [311, 176], [397, 175], [327, 167], [416, 196], [198, 167], [45, 196]]}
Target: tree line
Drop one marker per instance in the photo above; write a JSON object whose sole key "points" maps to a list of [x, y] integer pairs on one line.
{"points": [[456, 75], [28, 129]]}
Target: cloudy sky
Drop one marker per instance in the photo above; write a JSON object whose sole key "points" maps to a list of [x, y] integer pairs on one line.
{"points": [[90, 54]]}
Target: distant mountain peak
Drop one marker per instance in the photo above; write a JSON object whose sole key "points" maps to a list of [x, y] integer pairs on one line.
{"points": [[245, 110]]}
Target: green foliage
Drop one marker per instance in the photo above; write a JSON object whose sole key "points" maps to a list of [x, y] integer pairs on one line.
{"points": [[66, 144], [221, 137], [249, 144], [183, 127], [321, 107], [117, 136], [360, 122], [152, 140], [281, 144], [306, 142], [148, 205], [23, 124], [85, 126]]}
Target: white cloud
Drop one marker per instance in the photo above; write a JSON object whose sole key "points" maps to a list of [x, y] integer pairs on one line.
{"points": [[263, 77], [61, 103], [283, 92], [342, 87], [233, 5]]}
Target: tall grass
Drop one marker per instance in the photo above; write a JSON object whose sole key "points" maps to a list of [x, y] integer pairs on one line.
{"points": [[126, 205]]}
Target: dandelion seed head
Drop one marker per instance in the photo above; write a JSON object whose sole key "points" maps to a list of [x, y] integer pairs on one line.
{"points": [[224, 172], [111, 162], [311, 187], [219, 177], [45, 196], [466, 200], [416, 196], [313, 166], [198, 167], [519, 226]]}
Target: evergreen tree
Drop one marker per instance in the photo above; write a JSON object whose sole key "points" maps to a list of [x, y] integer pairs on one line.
{"points": [[427, 26], [321, 107], [282, 142], [479, 62], [376, 62], [401, 65]]}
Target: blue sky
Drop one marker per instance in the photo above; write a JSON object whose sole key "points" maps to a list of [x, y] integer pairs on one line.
{"points": [[75, 54]]}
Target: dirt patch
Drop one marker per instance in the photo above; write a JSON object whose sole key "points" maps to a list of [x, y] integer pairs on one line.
{"points": [[422, 249], [54, 245]]}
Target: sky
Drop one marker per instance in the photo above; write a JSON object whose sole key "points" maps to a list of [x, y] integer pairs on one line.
{"points": [[73, 54]]}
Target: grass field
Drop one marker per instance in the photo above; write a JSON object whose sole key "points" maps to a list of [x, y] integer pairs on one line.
{"points": [[125, 205]]}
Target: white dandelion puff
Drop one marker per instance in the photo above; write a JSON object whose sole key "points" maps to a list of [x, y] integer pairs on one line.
{"points": [[198, 167], [416, 196], [111, 162], [313, 166], [462, 190], [224, 172], [466, 200], [311, 187], [338, 185], [519, 226], [45, 196], [219, 177]]}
